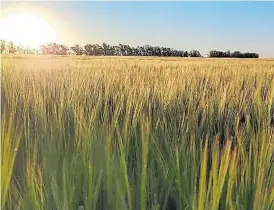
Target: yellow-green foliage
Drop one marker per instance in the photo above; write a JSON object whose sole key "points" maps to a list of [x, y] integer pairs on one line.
{"points": [[137, 133]]}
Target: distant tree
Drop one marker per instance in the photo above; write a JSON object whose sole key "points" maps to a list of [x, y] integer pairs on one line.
{"points": [[112, 50], [213, 54], [228, 54], [44, 49], [194, 53], [94, 49], [236, 54], [186, 54], [128, 50], [99, 50], [11, 48], [148, 50], [3, 46], [21, 49], [77, 50], [61, 50], [134, 51], [250, 55], [218, 54], [169, 53], [141, 51], [123, 49], [89, 49], [157, 51], [117, 50], [54, 49], [106, 49]]}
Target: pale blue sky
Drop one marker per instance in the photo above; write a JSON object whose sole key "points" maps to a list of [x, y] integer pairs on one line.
{"points": [[244, 26]]}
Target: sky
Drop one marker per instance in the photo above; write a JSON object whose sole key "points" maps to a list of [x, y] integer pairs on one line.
{"points": [[204, 26]]}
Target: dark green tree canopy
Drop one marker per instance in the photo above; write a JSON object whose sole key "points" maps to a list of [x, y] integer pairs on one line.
{"points": [[118, 50], [228, 54]]}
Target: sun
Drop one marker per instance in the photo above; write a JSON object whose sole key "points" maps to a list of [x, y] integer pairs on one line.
{"points": [[26, 29]]}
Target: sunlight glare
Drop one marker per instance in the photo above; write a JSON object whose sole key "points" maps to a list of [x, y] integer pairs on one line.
{"points": [[26, 29]]}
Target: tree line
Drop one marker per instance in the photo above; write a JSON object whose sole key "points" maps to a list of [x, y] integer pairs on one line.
{"points": [[116, 50], [228, 54]]}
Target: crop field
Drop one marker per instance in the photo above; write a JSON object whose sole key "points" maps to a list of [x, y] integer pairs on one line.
{"points": [[128, 133]]}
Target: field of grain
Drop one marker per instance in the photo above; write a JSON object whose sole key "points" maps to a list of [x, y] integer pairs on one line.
{"points": [[118, 133]]}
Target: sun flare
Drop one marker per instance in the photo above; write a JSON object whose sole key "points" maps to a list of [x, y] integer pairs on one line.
{"points": [[26, 29]]}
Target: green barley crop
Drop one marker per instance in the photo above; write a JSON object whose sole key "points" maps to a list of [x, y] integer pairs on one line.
{"points": [[130, 133]]}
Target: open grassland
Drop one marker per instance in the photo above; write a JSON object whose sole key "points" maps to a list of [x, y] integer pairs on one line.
{"points": [[137, 133]]}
